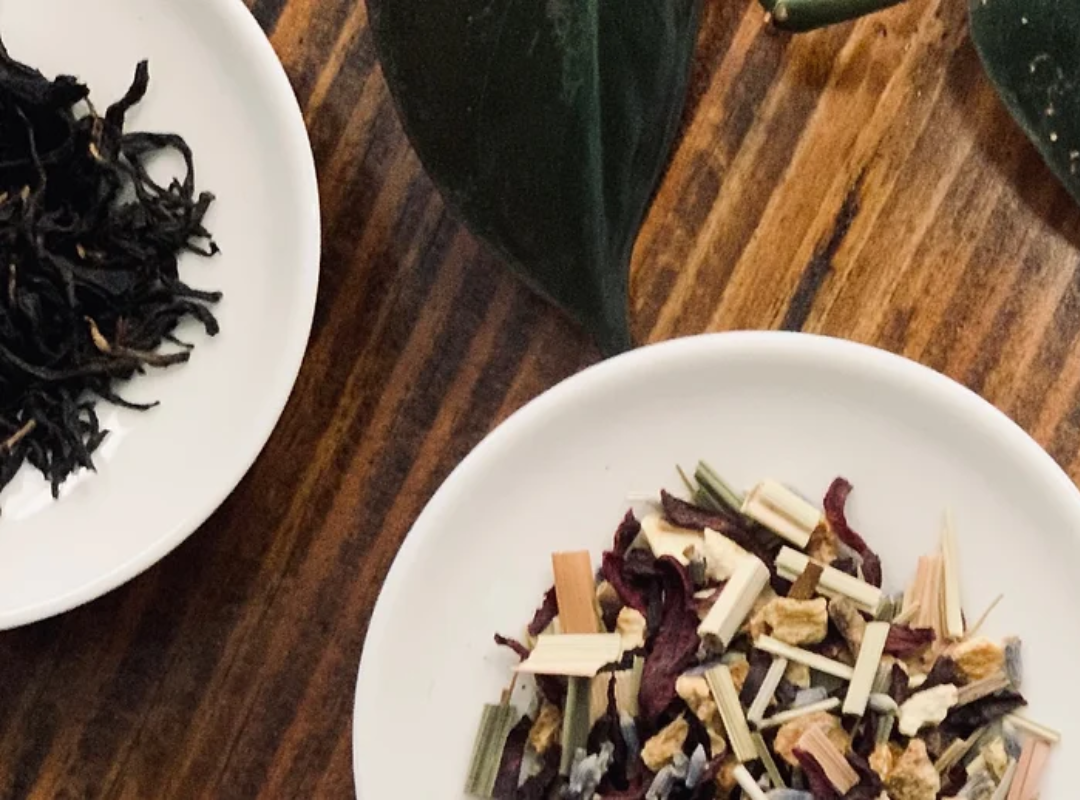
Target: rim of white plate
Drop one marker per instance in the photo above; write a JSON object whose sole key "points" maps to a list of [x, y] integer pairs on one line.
{"points": [[298, 161], [888, 366]]}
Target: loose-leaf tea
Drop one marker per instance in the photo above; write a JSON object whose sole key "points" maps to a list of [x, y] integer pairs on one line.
{"points": [[547, 126], [819, 689], [1031, 50], [89, 282]]}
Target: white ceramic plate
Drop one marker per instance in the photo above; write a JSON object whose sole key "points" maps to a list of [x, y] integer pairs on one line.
{"points": [[216, 81], [557, 475]]}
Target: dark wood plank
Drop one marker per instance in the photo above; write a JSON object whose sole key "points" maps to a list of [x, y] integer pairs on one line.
{"points": [[863, 182]]}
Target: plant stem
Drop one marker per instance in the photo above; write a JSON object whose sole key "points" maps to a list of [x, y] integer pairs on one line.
{"points": [[807, 15], [715, 486], [575, 733]]}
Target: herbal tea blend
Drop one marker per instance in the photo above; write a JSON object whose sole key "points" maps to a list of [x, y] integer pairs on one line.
{"points": [[89, 243], [742, 647]]}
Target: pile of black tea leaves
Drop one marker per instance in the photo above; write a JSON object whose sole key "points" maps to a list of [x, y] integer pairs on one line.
{"points": [[89, 281]]}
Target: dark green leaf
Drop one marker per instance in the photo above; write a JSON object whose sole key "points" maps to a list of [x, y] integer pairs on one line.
{"points": [[1031, 49], [547, 125]]}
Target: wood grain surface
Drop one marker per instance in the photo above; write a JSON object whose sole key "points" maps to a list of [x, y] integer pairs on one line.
{"points": [[863, 182]]}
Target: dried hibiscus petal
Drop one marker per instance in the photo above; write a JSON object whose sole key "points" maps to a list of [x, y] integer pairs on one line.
{"points": [[905, 642], [608, 729], [673, 648], [548, 610], [944, 671], [613, 570], [966, 719], [505, 641], [899, 684], [834, 503], [506, 782], [687, 515], [869, 780], [625, 534]]}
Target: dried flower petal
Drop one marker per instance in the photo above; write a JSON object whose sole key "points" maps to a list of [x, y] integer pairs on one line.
{"points": [[613, 570], [687, 515], [965, 720], [906, 642], [673, 646], [506, 782], [834, 503], [547, 611], [626, 533]]}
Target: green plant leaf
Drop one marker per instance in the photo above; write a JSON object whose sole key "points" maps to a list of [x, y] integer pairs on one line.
{"points": [[1031, 50], [547, 125]]}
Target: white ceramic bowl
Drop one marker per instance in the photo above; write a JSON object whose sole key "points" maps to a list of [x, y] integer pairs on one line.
{"points": [[802, 409], [215, 80]]}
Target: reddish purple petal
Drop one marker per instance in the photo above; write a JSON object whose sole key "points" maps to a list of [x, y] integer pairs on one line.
{"points": [[835, 502], [548, 610], [627, 531], [675, 644], [905, 642]]}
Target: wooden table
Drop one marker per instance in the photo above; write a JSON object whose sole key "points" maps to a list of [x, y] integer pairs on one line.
{"points": [[863, 182]]}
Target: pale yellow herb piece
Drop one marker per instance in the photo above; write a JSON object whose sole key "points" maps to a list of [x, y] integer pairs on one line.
{"points": [[1033, 728], [727, 700], [630, 625], [866, 668], [848, 621], [954, 616], [767, 760], [768, 688], [785, 513], [665, 539], [546, 728], [797, 622], [978, 658], [790, 564], [801, 656], [695, 692], [735, 601], [913, 776], [798, 675], [925, 708], [792, 714], [722, 555], [748, 784], [580, 655], [661, 748]]}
